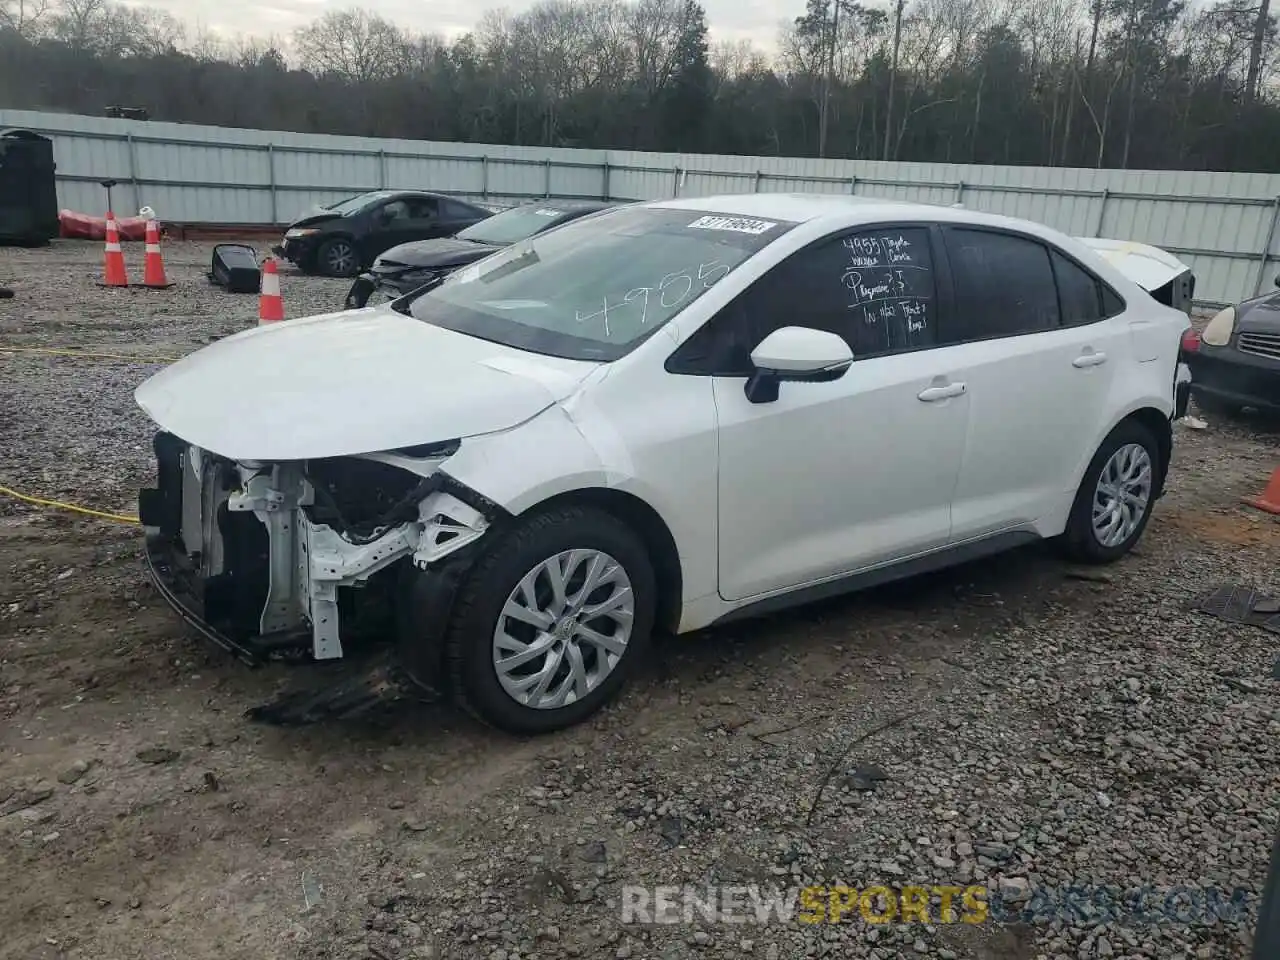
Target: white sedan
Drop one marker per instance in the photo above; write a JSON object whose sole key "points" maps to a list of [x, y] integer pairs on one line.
{"points": [[662, 416]]}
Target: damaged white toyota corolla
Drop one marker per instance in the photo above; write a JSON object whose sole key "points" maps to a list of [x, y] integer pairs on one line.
{"points": [[662, 416]]}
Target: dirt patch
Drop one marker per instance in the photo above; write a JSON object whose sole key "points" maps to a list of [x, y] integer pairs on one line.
{"points": [[1243, 527]]}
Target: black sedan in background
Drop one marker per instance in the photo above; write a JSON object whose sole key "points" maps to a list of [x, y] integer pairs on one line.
{"points": [[407, 267], [344, 238], [1235, 359]]}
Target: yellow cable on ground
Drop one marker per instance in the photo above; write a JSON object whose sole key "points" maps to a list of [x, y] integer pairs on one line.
{"points": [[39, 502], [49, 351]]}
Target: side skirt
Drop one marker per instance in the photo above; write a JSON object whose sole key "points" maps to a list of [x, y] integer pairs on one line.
{"points": [[901, 570]]}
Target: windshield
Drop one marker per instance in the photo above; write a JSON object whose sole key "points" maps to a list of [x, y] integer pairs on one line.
{"points": [[512, 225], [596, 287], [355, 204]]}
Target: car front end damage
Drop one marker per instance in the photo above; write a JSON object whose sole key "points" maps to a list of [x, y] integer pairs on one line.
{"points": [[391, 279], [311, 560]]}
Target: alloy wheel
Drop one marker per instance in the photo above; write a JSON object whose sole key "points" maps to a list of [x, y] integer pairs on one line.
{"points": [[563, 629], [1122, 495], [340, 258]]}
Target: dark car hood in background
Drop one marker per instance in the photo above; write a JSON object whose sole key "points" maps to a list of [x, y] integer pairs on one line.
{"points": [[314, 220], [436, 253], [1259, 315]]}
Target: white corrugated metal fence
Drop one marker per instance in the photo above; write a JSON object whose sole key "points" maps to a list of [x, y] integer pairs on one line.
{"points": [[1222, 224]]}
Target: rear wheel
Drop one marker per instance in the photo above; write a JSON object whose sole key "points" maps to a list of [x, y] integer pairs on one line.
{"points": [[1114, 500], [552, 620]]}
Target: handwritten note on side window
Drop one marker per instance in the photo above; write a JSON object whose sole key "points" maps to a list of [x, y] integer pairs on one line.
{"points": [[888, 278]]}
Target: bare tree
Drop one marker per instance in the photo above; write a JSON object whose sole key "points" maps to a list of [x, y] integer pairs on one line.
{"points": [[357, 46], [26, 18], [733, 59], [77, 22], [112, 29], [1263, 21]]}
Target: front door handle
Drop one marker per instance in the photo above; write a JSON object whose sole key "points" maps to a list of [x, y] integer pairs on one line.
{"points": [[934, 394], [1089, 360]]}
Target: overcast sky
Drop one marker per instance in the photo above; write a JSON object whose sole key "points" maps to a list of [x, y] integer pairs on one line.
{"points": [[757, 20]]}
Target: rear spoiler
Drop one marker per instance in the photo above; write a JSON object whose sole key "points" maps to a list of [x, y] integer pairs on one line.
{"points": [[1156, 271]]}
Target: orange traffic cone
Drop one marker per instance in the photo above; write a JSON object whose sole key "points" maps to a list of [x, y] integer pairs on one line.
{"points": [[270, 303], [1269, 499], [153, 264], [113, 272]]}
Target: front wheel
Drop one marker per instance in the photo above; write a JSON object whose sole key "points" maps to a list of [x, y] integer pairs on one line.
{"points": [[338, 258], [1113, 503], [552, 620]]}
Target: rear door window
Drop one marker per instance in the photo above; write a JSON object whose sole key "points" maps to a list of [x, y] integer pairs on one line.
{"points": [[1004, 286], [423, 208], [460, 211]]}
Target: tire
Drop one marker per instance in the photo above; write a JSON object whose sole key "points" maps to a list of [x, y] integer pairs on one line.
{"points": [[472, 645], [359, 295], [1266, 936], [1084, 544], [338, 258]]}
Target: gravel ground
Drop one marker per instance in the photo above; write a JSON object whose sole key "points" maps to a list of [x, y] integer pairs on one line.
{"points": [[1010, 724]]}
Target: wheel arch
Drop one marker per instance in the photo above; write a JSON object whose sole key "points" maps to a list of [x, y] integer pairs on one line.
{"points": [[1160, 427], [653, 531], [1153, 419]]}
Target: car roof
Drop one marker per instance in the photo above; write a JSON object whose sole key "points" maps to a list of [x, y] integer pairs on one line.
{"points": [[584, 204], [397, 194], [567, 206], [841, 209]]}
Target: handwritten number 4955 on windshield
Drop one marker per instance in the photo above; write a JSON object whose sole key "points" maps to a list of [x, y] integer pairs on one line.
{"points": [[673, 289]]}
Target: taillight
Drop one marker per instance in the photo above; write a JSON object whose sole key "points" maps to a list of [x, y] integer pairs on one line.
{"points": [[1190, 340]]}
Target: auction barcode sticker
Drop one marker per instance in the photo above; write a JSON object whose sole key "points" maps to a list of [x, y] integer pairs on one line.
{"points": [[733, 224]]}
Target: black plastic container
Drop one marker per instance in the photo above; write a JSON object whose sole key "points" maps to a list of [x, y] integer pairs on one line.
{"points": [[28, 198], [235, 268]]}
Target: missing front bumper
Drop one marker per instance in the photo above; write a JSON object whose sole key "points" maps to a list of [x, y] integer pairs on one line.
{"points": [[187, 600], [243, 554]]}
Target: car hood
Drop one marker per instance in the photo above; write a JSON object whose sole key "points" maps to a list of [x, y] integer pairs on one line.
{"points": [[360, 381], [1149, 267], [1259, 315], [436, 253], [315, 219]]}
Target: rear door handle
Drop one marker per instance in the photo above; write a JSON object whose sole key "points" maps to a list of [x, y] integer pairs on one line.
{"points": [[934, 394], [1089, 360]]}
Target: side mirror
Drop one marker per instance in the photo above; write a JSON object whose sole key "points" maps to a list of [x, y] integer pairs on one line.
{"points": [[1278, 279], [797, 355]]}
